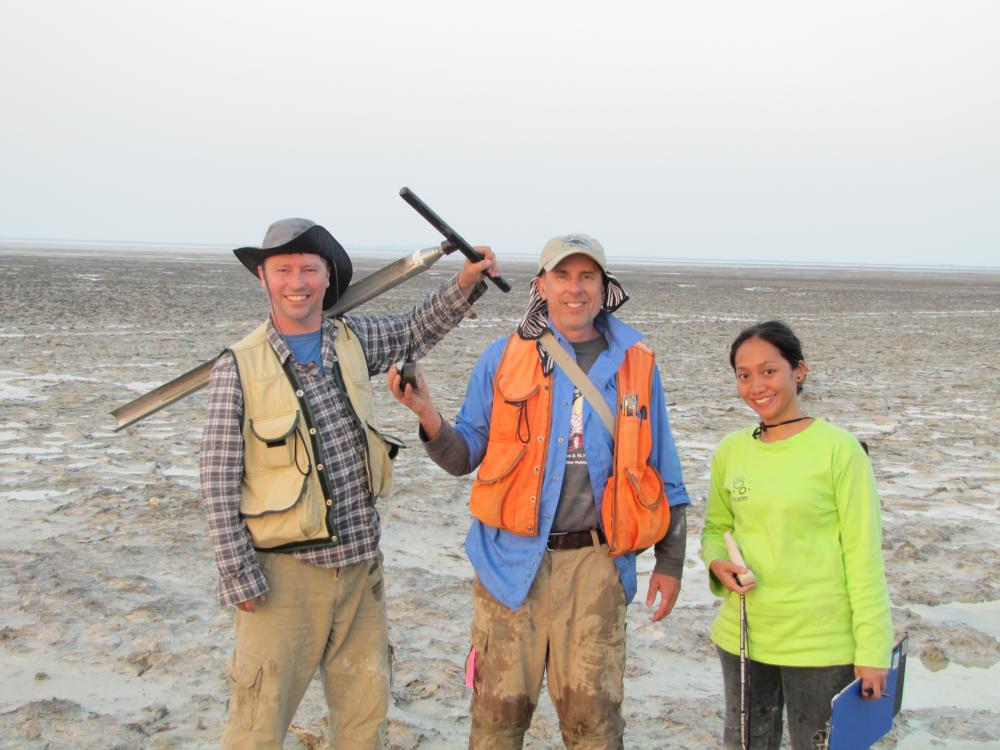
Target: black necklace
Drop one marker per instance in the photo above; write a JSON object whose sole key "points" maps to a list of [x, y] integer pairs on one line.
{"points": [[761, 427]]}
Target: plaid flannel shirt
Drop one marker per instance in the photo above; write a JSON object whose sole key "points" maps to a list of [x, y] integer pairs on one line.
{"points": [[386, 339]]}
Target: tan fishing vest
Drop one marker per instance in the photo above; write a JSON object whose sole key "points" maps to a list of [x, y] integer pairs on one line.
{"points": [[285, 497]]}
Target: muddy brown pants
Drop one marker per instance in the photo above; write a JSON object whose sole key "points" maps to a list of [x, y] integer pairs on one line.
{"points": [[570, 628], [327, 618]]}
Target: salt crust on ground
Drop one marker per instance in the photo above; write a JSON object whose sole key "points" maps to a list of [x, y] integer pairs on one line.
{"points": [[109, 633]]}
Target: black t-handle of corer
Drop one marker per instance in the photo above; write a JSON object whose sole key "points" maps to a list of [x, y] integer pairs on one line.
{"points": [[450, 235]]}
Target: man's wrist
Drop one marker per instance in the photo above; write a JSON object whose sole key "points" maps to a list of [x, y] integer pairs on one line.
{"points": [[430, 423], [242, 587], [472, 292]]}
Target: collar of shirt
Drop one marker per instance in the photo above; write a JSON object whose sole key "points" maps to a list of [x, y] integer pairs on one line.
{"points": [[327, 354], [277, 343]]}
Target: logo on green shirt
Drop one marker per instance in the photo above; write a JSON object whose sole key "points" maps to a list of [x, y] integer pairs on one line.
{"points": [[740, 491]]}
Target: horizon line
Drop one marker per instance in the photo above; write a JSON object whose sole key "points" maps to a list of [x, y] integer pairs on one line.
{"points": [[517, 255]]}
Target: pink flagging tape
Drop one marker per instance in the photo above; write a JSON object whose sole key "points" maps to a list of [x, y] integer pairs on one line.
{"points": [[470, 667]]}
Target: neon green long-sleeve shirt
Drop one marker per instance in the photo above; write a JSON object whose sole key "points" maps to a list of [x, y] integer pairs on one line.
{"points": [[805, 514]]}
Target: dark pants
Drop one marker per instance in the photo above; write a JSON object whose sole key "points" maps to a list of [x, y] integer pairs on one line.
{"points": [[807, 691]]}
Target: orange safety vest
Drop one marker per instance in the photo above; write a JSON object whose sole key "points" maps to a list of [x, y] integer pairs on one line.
{"points": [[508, 487]]}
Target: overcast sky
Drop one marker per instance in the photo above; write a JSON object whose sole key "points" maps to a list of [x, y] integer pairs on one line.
{"points": [[805, 131]]}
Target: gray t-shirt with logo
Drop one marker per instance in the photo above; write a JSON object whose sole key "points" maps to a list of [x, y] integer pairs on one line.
{"points": [[576, 510]]}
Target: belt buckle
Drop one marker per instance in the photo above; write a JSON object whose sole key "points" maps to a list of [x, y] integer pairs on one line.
{"points": [[554, 533]]}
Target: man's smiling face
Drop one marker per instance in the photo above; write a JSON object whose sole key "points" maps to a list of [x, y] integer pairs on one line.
{"points": [[574, 291], [295, 284]]}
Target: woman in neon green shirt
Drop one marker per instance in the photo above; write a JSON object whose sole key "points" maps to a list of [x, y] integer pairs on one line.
{"points": [[798, 495]]}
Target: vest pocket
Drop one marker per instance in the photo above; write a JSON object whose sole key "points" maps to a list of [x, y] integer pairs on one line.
{"points": [[514, 392], [647, 486], [280, 512], [513, 420], [392, 443], [276, 441], [311, 517], [634, 510], [500, 462], [272, 492], [245, 675], [382, 449], [497, 472]]}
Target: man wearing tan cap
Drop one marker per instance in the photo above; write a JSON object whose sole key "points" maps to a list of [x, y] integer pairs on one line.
{"points": [[291, 467], [554, 568]]}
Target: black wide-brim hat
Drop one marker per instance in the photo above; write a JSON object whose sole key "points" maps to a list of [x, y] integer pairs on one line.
{"points": [[302, 236]]}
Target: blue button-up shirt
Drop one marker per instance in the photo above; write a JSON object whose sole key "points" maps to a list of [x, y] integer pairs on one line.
{"points": [[506, 563]]}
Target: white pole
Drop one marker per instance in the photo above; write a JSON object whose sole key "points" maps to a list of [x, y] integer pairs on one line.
{"points": [[744, 740], [743, 580]]}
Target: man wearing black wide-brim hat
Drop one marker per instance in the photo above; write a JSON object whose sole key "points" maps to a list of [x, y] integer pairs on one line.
{"points": [[292, 463]]}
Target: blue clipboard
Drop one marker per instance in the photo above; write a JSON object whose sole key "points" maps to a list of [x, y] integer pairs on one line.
{"points": [[856, 723]]}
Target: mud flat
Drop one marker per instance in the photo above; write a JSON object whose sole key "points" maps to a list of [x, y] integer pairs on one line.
{"points": [[109, 633]]}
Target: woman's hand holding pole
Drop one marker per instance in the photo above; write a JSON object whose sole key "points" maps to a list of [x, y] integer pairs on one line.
{"points": [[733, 573], [729, 574]]}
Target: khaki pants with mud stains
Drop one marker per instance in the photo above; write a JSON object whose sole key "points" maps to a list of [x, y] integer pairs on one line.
{"points": [[570, 628], [330, 618]]}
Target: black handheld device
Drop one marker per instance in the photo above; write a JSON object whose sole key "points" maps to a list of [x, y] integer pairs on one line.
{"points": [[451, 237], [407, 374]]}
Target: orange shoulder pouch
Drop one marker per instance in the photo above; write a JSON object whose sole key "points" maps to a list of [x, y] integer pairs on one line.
{"points": [[635, 512]]}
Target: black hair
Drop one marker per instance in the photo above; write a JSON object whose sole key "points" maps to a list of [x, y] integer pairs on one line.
{"points": [[778, 335]]}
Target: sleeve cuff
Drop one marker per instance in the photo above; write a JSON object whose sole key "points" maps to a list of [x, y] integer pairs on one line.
{"points": [[671, 550], [709, 552], [477, 292], [868, 658], [456, 299], [674, 568], [241, 588]]}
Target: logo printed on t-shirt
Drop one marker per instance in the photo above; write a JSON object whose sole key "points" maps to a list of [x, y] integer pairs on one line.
{"points": [[576, 454], [740, 491]]}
